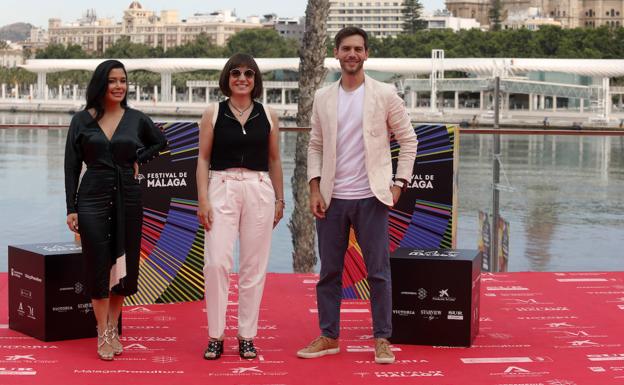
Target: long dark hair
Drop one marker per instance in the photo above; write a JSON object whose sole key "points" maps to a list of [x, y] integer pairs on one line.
{"points": [[98, 85]]}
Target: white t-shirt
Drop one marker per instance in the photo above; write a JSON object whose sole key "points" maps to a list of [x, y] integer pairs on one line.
{"points": [[351, 177]]}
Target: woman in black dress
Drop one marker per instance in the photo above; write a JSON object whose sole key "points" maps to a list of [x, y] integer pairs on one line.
{"points": [[106, 210]]}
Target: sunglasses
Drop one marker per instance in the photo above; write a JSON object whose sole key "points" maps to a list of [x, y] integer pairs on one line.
{"points": [[248, 73]]}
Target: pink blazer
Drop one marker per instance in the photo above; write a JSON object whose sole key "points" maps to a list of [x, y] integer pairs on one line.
{"points": [[384, 113]]}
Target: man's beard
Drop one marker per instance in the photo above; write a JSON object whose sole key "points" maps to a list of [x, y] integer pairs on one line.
{"points": [[350, 71]]}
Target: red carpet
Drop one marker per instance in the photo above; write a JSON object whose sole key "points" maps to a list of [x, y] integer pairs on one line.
{"points": [[536, 328]]}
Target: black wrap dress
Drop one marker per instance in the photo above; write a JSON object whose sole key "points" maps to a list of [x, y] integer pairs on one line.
{"points": [[108, 201]]}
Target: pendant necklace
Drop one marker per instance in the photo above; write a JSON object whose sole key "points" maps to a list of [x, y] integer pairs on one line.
{"points": [[240, 113]]}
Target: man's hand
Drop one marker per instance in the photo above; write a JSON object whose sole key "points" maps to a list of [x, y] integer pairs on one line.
{"points": [[396, 194], [317, 204]]}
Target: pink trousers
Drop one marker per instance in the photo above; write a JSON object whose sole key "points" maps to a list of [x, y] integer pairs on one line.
{"points": [[243, 206]]}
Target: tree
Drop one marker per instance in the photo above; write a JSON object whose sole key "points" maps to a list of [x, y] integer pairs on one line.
{"points": [[202, 46], [495, 15], [412, 11], [3, 44], [59, 51], [262, 43], [125, 49], [312, 74]]}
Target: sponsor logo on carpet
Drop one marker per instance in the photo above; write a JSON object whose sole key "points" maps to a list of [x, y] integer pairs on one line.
{"points": [[507, 288], [164, 359], [575, 334], [148, 339], [519, 372], [17, 371], [164, 318], [551, 317], [606, 357], [601, 369], [586, 343], [26, 358], [366, 348], [126, 371], [531, 301], [562, 325], [505, 360], [342, 311], [372, 362], [500, 336], [141, 348], [543, 308], [28, 347], [242, 371], [409, 373], [142, 310], [260, 327], [582, 280], [501, 346]]}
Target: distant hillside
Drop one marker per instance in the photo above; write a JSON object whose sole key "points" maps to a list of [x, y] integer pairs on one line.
{"points": [[15, 32]]}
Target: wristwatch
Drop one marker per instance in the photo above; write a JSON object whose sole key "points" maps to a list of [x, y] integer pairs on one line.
{"points": [[401, 183]]}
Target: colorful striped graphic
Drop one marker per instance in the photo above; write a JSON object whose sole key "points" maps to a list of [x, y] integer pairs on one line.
{"points": [[172, 244], [424, 216]]}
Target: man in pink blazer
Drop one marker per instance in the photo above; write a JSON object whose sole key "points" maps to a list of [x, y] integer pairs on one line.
{"points": [[351, 184]]}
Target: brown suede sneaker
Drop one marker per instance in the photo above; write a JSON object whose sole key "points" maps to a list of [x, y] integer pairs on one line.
{"points": [[383, 354], [319, 347]]}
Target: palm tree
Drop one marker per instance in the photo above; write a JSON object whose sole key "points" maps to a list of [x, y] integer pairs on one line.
{"points": [[311, 75]]}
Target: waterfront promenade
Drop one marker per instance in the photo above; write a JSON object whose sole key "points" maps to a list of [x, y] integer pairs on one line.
{"points": [[192, 111]]}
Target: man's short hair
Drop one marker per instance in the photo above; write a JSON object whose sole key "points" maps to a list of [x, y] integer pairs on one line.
{"points": [[350, 31]]}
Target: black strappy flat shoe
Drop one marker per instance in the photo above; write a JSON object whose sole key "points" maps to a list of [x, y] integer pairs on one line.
{"points": [[246, 349], [214, 350]]}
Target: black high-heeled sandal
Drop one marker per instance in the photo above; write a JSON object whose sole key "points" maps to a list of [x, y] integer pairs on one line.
{"points": [[246, 349], [214, 350]]}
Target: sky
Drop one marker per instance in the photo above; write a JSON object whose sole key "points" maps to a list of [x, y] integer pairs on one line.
{"points": [[37, 12]]}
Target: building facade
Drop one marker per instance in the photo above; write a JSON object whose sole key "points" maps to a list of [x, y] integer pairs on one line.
{"points": [[444, 20], [146, 27], [567, 13], [377, 18], [11, 57]]}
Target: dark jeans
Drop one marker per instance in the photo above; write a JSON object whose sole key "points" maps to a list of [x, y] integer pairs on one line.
{"points": [[369, 218]]}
